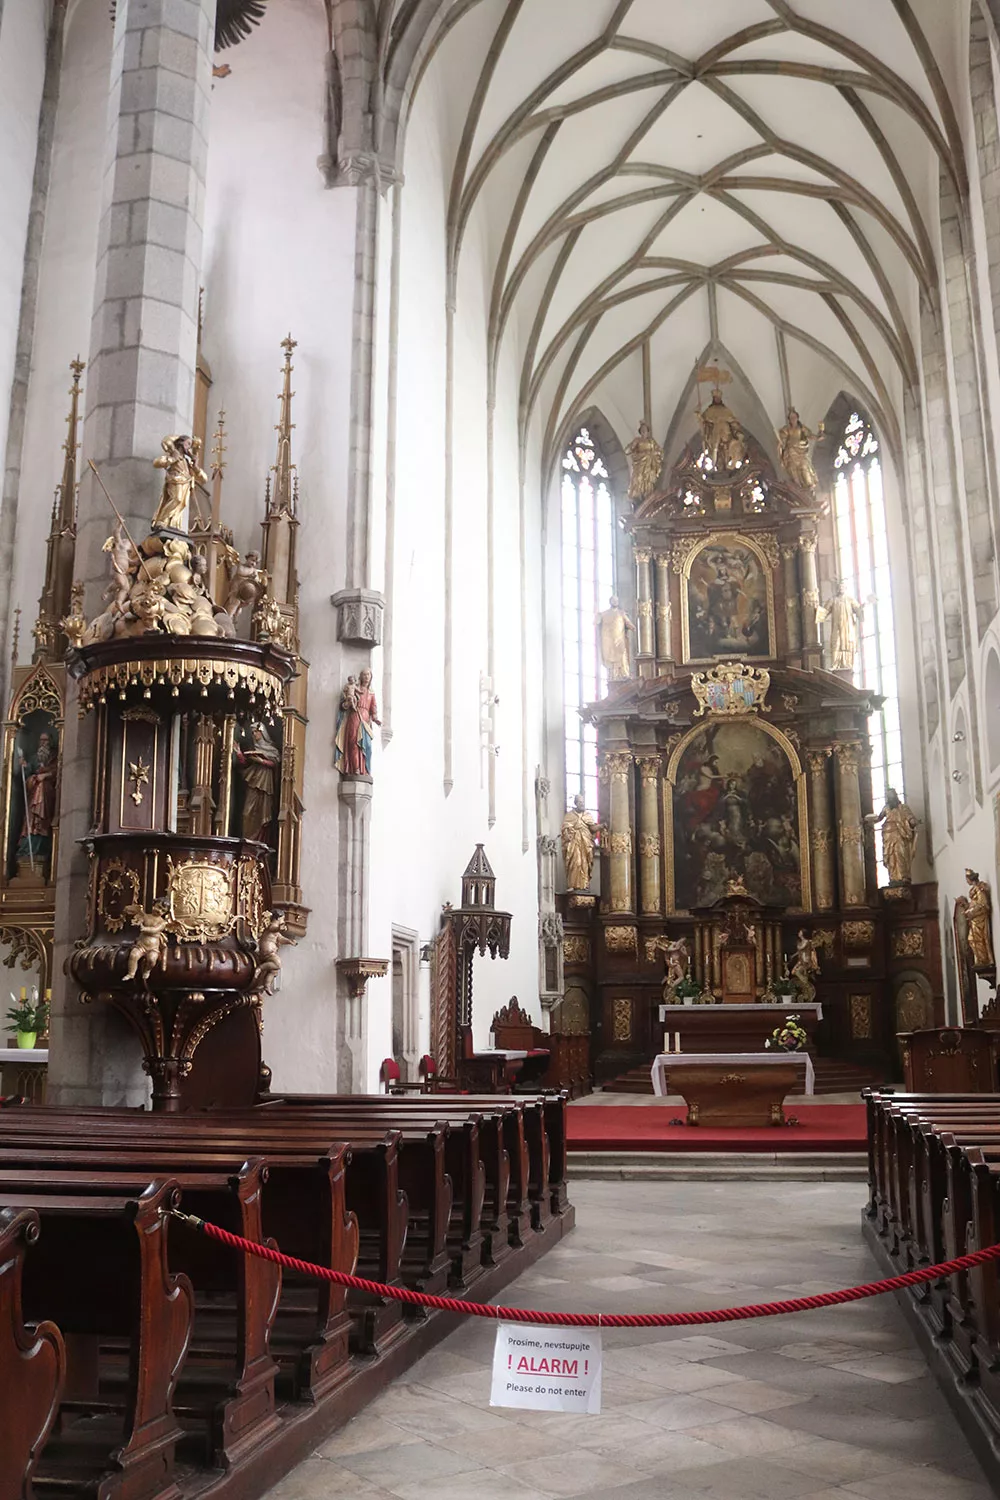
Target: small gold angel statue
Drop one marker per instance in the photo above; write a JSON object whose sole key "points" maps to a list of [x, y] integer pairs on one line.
{"points": [[180, 460]]}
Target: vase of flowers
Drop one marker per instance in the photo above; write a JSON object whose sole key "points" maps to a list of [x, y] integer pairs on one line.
{"points": [[29, 1016], [788, 1037]]}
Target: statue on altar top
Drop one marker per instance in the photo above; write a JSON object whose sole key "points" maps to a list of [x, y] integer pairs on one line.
{"points": [[793, 445], [899, 837], [844, 614], [718, 427], [645, 461], [613, 627], [579, 829], [180, 460]]}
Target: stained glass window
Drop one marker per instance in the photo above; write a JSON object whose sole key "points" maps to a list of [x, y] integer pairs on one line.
{"points": [[588, 581], [863, 564]]}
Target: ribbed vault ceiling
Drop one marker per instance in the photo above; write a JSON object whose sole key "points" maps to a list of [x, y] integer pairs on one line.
{"points": [[738, 179]]}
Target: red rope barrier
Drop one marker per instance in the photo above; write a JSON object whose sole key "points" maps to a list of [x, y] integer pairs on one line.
{"points": [[595, 1320]]}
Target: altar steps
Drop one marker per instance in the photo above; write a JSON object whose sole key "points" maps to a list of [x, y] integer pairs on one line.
{"points": [[832, 1077]]}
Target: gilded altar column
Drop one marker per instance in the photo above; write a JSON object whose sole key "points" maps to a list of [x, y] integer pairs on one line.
{"points": [[793, 607], [824, 873], [852, 847], [810, 593], [664, 651], [649, 834], [615, 770], [644, 601]]}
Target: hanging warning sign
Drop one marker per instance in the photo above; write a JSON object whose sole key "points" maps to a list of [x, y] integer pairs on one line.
{"points": [[557, 1369]]}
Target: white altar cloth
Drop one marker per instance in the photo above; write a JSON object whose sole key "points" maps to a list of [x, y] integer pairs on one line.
{"points": [[666, 1063]]}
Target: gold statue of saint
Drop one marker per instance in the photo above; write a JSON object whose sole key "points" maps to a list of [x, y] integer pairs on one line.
{"points": [[899, 837], [579, 829], [180, 460], [806, 964], [613, 626], [645, 458], [979, 921], [793, 445], [717, 429], [844, 614]]}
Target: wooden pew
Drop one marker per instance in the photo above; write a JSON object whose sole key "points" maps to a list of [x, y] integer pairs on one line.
{"points": [[99, 1271], [225, 1395], [304, 1198], [32, 1364]]}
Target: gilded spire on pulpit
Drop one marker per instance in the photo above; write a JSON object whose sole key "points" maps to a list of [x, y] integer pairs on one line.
{"points": [[50, 639]]}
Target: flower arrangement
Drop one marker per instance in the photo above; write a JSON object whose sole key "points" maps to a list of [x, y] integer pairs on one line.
{"points": [[788, 1037], [29, 1016]]}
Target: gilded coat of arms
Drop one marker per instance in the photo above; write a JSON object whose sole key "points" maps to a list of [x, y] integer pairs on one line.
{"points": [[731, 688]]}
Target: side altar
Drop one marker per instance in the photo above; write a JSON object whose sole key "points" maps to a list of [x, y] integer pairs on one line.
{"points": [[736, 822]]}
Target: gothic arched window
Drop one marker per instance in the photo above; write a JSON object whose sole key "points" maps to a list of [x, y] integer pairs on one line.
{"points": [[863, 564], [588, 581]]}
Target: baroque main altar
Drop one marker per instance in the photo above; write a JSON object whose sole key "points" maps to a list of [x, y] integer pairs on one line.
{"points": [[737, 823]]}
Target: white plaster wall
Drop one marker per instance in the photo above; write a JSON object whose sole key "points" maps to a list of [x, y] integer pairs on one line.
{"points": [[22, 74], [65, 289], [279, 257], [422, 838]]}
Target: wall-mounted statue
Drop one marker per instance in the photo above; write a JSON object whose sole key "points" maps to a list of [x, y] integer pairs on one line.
{"points": [[806, 965], [899, 837], [579, 832], [259, 767], [613, 626], [736, 447], [844, 614], [717, 423], [979, 922], [357, 714], [180, 460], [247, 581], [269, 946], [645, 461], [39, 776], [676, 957], [793, 445]]}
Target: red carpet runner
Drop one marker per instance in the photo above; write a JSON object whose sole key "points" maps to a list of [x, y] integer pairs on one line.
{"points": [[639, 1127]]}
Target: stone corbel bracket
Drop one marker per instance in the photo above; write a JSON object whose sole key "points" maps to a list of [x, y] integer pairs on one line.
{"points": [[358, 971], [359, 616]]}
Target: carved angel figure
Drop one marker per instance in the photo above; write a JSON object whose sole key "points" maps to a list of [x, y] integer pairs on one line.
{"points": [[271, 940], [150, 947], [247, 581], [806, 963], [123, 558], [180, 460]]}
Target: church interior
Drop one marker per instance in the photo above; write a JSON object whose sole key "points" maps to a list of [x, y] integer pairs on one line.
{"points": [[500, 782]]}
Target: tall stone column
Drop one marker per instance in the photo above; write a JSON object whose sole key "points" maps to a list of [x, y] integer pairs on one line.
{"points": [[824, 867], [649, 834], [644, 601], [852, 847], [139, 387], [664, 651], [810, 598], [793, 608], [354, 969], [615, 771]]}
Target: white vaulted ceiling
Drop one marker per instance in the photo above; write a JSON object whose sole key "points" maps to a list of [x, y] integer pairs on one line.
{"points": [[752, 180]]}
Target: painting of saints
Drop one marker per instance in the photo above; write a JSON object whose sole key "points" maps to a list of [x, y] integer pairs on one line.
{"points": [[34, 790], [727, 604], [735, 818]]}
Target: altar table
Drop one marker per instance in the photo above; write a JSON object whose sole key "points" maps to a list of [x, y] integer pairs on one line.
{"points": [[744, 1090], [733, 1028]]}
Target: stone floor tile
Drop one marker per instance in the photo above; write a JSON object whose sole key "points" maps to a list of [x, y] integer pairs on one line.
{"points": [[573, 1473], [817, 1352], [676, 1413], [660, 1371], [840, 1463], [748, 1479], [365, 1432], [923, 1483], [417, 1460], [892, 1368], [319, 1479], [425, 1412], [748, 1435], [752, 1396], [476, 1484], [670, 1453]]}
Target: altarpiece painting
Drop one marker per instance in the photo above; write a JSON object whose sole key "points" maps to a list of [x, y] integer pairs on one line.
{"points": [[727, 601], [738, 815]]}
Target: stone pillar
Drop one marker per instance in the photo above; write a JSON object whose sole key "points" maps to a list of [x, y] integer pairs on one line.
{"points": [[810, 600], [352, 932], [852, 847], [644, 601], [649, 834], [139, 387], [664, 650], [793, 608], [615, 769], [824, 870]]}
